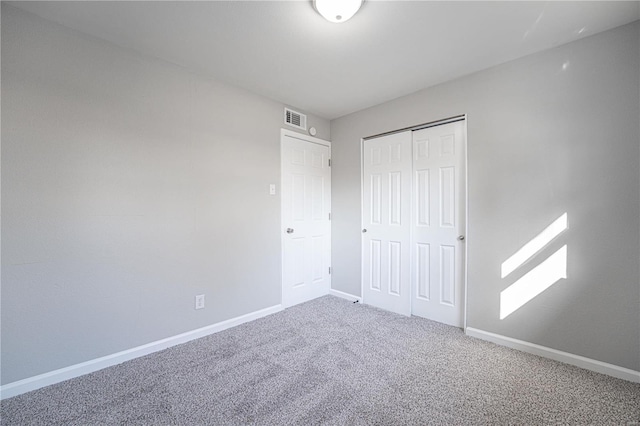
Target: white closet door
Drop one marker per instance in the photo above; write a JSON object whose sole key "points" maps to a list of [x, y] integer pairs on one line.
{"points": [[386, 238], [438, 223], [306, 204]]}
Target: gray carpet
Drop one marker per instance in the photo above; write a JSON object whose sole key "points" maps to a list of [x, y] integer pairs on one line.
{"points": [[329, 361]]}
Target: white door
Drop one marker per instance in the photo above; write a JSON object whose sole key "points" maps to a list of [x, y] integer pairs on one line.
{"points": [[386, 229], [414, 221], [439, 223], [306, 229]]}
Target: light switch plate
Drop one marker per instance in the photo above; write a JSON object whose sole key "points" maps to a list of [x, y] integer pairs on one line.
{"points": [[199, 301], [272, 189]]}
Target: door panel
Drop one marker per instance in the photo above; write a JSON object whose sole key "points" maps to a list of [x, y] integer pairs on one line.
{"points": [[423, 268], [306, 203], [387, 220], [438, 221]]}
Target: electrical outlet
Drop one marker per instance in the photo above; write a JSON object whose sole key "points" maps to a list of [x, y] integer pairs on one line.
{"points": [[200, 301]]}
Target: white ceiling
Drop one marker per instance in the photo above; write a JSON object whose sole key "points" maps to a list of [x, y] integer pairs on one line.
{"points": [[285, 51]]}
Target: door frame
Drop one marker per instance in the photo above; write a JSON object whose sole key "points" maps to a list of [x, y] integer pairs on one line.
{"points": [[310, 139], [465, 119]]}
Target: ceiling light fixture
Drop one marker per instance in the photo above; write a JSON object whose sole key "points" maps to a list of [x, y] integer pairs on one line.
{"points": [[337, 11]]}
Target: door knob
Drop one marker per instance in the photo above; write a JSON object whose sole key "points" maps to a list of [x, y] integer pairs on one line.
{"points": [[461, 238], [364, 231], [289, 230]]}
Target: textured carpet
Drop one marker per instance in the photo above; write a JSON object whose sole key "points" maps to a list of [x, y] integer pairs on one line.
{"points": [[329, 361]]}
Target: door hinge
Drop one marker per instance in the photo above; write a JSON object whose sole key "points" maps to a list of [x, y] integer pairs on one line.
{"points": [[329, 215], [329, 162], [329, 270]]}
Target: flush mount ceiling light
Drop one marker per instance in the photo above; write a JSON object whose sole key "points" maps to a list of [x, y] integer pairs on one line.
{"points": [[337, 11]]}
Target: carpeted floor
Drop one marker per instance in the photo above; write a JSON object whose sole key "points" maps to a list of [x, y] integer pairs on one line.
{"points": [[329, 361]]}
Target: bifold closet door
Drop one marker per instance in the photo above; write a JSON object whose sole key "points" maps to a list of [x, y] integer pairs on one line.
{"points": [[386, 242], [438, 223]]}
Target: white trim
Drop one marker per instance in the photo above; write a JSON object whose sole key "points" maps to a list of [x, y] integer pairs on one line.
{"points": [[362, 220], [304, 137], [568, 358], [343, 295], [66, 373], [465, 264]]}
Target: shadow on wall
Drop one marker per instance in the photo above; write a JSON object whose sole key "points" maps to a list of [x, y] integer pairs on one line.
{"points": [[547, 273]]}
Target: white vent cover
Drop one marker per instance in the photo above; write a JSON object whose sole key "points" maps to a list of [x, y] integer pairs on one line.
{"points": [[295, 119]]}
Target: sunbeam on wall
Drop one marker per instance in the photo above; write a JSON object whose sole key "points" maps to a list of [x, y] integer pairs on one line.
{"points": [[540, 278]]}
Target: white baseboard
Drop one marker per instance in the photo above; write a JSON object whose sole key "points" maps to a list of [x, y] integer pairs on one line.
{"points": [[568, 358], [343, 295], [66, 373]]}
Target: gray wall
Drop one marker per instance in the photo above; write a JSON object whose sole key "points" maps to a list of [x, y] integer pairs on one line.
{"points": [[550, 133], [129, 186]]}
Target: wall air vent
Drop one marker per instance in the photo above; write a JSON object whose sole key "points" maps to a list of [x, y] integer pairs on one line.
{"points": [[295, 119]]}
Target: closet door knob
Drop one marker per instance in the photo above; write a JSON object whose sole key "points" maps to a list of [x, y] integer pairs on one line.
{"points": [[461, 238], [364, 231], [289, 230]]}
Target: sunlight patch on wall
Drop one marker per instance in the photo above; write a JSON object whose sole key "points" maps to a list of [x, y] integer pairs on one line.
{"points": [[534, 282], [538, 279], [535, 245]]}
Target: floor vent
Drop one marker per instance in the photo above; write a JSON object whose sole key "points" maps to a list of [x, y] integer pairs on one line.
{"points": [[295, 119]]}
